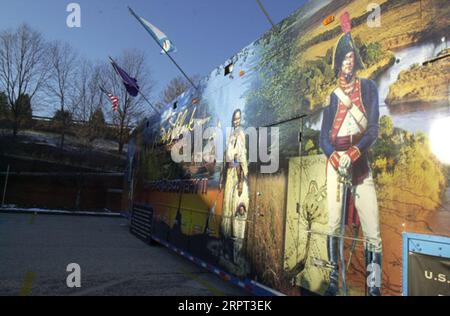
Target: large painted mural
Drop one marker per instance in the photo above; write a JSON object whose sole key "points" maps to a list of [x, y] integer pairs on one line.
{"points": [[359, 93]]}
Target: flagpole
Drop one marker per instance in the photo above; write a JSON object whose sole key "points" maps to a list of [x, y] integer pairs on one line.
{"points": [[138, 90], [103, 90], [167, 53], [145, 98], [266, 14]]}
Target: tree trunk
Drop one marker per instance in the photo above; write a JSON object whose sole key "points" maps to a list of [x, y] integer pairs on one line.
{"points": [[15, 129], [79, 182], [15, 124], [63, 122], [121, 138], [63, 132], [120, 146]]}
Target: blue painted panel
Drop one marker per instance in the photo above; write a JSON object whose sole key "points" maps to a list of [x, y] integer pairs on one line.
{"points": [[424, 244]]}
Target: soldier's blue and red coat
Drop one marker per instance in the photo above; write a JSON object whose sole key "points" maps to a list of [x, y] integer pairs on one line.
{"points": [[365, 97]]}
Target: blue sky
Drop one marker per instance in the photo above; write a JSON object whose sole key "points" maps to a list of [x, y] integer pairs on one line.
{"points": [[205, 32]]}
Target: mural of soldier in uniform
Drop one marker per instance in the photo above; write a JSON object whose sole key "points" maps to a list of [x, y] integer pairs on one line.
{"points": [[349, 129], [236, 194]]}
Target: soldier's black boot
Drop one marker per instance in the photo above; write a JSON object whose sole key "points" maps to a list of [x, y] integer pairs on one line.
{"points": [[333, 257], [227, 248], [373, 270], [237, 248]]}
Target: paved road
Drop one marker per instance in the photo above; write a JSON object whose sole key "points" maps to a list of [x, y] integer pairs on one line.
{"points": [[36, 249]]}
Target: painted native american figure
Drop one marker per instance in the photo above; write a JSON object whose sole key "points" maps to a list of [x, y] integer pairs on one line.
{"points": [[236, 195]]}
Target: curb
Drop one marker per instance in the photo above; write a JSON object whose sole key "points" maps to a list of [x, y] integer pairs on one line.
{"points": [[56, 212], [251, 286]]}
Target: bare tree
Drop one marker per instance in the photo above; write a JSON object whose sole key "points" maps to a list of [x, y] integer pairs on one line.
{"points": [[60, 84], [175, 88], [88, 99], [23, 67], [131, 109]]}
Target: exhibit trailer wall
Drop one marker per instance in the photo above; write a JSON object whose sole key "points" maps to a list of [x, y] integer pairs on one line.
{"points": [[300, 162]]}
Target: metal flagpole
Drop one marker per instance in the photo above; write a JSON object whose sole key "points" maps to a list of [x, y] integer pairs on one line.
{"points": [[167, 53], [266, 14], [145, 98], [103, 90]]}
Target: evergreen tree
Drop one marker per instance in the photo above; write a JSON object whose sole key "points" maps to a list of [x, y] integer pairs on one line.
{"points": [[97, 125], [4, 109], [62, 119], [23, 113]]}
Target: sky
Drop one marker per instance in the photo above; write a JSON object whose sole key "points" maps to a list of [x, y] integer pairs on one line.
{"points": [[205, 32]]}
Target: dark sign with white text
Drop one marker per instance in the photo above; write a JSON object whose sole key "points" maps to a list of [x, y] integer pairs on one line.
{"points": [[428, 275]]}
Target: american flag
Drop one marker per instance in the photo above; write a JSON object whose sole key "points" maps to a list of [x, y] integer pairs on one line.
{"points": [[114, 99], [115, 102]]}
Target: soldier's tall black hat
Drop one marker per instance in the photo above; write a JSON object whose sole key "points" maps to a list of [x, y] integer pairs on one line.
{"points": [[345, 45]]}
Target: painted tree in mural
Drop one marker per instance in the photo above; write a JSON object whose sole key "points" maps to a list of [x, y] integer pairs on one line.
{"points": [[409, 177], [288, 85], [273, 94]]}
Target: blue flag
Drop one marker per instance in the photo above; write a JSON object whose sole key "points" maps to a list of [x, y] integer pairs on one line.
{"points": [[157, 35], [129, 82]]}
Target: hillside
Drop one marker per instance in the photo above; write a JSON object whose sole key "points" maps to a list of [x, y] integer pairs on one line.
{"points": [[41, 148], [403, 22], [426, 85]]}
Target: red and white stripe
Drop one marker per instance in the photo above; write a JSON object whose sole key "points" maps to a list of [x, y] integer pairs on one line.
{"points": [[115, 102]]}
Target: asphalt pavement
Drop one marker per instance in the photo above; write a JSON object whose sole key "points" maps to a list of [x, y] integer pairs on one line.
{"points": [[35, 251]]}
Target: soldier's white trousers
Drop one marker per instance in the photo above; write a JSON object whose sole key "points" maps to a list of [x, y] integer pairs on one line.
{"points": [[365, 202]]}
